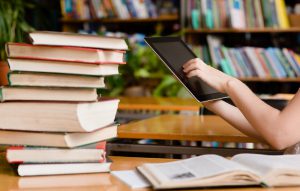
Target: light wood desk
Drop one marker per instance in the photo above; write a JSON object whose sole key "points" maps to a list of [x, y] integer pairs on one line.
{"points": [[137, 108], [182, 128], [159, 104], [9, 181]]}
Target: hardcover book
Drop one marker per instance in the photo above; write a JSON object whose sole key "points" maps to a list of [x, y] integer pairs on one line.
{"points": [[217, 171], [10, 93], [57, 116], [61, 67], [31, 79], [74, 39], [68, 54], [91, 153], [61, 140]]}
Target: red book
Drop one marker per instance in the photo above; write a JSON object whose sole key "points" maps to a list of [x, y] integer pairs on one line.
{"points": [[65, 53]]}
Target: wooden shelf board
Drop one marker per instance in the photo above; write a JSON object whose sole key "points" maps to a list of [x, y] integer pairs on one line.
{"points": [[257, 79], [249, 30], [169, 18]]}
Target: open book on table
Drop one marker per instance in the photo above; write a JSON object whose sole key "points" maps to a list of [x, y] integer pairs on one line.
{"points": [[215, 171]]}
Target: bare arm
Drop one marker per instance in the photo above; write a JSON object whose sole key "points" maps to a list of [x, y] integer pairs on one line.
{"points": [[233, 115], [280, 129]]}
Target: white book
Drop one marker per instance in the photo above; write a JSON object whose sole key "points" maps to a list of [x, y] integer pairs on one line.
{"points": [[237, 14], [215, 171], [57, 116], [64, 140], [57, 169], [34, 79], [61, 67], [74, 39]]}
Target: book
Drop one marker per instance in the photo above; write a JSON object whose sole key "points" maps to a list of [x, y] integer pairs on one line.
{"points": [[74, 39], [281, 11], [21, 154], [70, 54], [54, 80], [59, 140], [216, 171], [237, 14], [57, 116], [62, 67], [79, 181], [19, 93], [57, 169]]}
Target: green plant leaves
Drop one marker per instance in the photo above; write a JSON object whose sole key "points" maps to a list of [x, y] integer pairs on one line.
{"points": [[13, 25]]}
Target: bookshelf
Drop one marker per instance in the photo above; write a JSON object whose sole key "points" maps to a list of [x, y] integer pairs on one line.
{"points": [[129, 17], [270, 35], [167, 18], [248, 30], [132, 25], [261, 30]]}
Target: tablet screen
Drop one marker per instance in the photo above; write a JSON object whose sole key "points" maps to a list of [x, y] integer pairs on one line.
{"points": [[174, 52]]}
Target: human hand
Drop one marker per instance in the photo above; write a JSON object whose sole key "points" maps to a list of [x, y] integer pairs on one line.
{"points": [[213, 77]]}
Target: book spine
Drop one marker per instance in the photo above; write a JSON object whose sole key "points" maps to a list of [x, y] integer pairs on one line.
{"points": [[284, 63], [240, 61], [281, 14], [291, 61], [267, 15], [269, 65]]}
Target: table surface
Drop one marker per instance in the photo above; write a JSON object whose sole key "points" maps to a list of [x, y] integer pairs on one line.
{"points": [[88, 182], [183, 127], [159, 104]]}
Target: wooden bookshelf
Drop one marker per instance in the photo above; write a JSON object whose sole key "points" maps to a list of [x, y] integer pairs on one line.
{"points": [[258, 79], [248, 30], [167, 18]]}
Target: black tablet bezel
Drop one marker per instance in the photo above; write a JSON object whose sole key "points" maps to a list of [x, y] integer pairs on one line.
{"points": [[203, 97]]}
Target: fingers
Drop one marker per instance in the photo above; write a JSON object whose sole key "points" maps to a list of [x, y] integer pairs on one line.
{"points": [[190, 61], [191, 65], [194, 73]]}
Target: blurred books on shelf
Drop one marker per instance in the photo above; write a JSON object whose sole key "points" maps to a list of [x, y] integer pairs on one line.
{"points": [[98, 9], [236, 14], [243, 62], [54, 103]]}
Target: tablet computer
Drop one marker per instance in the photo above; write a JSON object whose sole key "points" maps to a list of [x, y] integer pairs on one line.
{"points": [[174, 53]]}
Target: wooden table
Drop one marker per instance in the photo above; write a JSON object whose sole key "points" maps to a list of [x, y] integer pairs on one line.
{"points": [[88, 182], [182, 128], [137, 108], [159, 104]]}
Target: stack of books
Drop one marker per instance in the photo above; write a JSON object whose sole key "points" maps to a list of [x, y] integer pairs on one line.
{"points": [[51, 107]]}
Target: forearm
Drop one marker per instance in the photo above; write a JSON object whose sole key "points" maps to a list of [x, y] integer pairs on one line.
{"points": [[260, 115], [233, 116]]}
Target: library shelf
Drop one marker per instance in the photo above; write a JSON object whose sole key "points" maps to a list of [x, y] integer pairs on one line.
{"points": [[167, 18], [248, 30], [258, 79]]}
